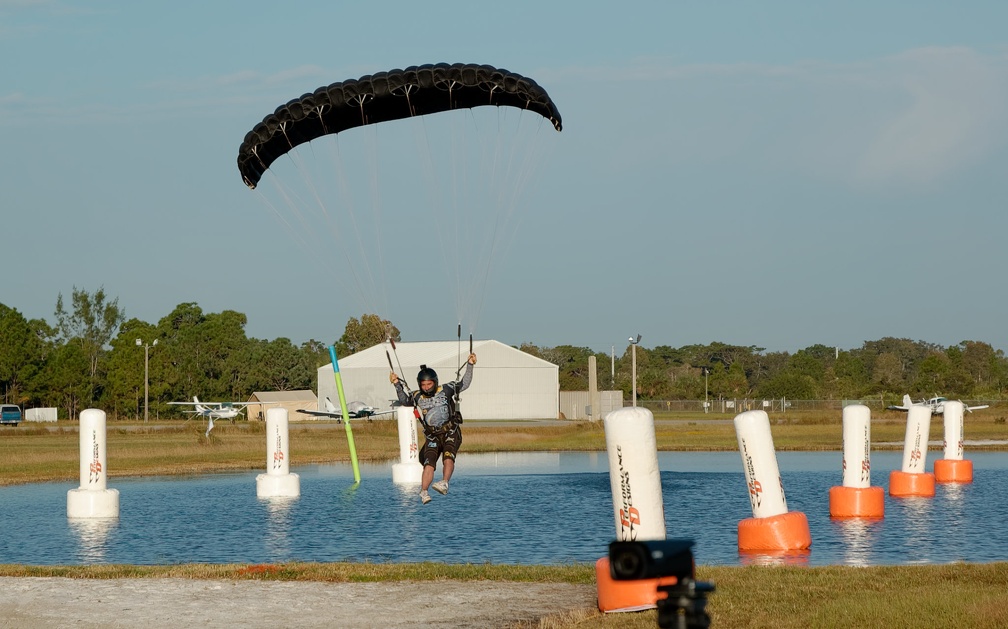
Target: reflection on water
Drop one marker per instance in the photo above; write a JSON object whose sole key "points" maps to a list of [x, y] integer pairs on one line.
{"points": [[527, 508], [92, 537], [917, 526], [859, 537], [775, 558], [279, 523]]}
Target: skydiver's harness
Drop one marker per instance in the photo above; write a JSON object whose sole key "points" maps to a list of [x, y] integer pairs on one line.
{"points": [[454, 415]]}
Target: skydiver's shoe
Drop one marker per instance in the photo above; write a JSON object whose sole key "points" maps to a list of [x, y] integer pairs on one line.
{"points": [[441, 487], [424, 497]]}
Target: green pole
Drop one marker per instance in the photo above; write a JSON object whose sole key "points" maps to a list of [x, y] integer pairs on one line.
{"points": [[346, 415]]}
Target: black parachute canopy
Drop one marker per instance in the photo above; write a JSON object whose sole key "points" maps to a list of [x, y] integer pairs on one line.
{"points": [[415, 91]]}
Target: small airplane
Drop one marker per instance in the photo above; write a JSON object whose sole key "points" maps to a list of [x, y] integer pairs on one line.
{"points": [[214, 410], [354, 410], [937, 405]]}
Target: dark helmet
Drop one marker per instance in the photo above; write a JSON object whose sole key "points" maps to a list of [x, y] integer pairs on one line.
{"points": [[426, 373]]}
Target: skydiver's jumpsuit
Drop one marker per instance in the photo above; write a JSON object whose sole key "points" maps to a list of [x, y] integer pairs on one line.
{"points": [[442, 435]]}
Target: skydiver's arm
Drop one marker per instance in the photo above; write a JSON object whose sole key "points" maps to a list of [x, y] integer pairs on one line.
{"points": [[404, 398], [463, 384]]}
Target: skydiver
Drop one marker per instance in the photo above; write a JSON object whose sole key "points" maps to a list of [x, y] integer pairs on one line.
{"points": [[440, 418]]}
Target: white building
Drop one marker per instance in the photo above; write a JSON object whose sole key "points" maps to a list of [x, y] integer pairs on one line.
{"points": [[507, 383]]}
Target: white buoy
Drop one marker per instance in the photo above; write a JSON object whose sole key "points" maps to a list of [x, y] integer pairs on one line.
{"points": [[278, 481], [635, 481], [915, 443], [409, 470], [772, 527], [634, 477], [911, 480], [759, 461], [856, 498], [953, 468], [856, 446], [93, 499], [954, 431]]}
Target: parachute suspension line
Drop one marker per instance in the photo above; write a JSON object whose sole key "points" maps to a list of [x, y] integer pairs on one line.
{"points": [[295, 204], [437, 203], [366, 296], [517, 173], [377, 214], [320, 110]]}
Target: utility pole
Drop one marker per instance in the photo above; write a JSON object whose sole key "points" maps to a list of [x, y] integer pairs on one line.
{"points": [[146, 373]]}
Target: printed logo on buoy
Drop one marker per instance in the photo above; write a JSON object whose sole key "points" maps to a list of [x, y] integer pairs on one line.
{"points": [[866, 461], [278, 452], [755, 488], [628, 514], [95, 468]]}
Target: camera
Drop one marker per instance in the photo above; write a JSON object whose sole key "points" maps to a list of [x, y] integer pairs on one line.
{"points": [[684, 605], [651, 559]]}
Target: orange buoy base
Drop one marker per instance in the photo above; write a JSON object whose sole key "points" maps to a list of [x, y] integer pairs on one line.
{"points": [[787, 531], [953, 471], [856, 502], [908, 484], [626, 596]]}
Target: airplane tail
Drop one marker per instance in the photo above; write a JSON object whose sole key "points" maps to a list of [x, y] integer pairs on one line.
{"points": [[329, 406], [907, 401], [199, 407]]}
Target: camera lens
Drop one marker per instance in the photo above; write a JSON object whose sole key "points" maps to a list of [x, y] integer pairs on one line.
{"points": [[628, 563]]}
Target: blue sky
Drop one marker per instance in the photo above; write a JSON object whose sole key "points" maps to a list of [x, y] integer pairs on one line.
{"points": [[775, 174]]}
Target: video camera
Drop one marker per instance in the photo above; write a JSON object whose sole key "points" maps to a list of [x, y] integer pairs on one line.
{"points": [[684, 604]]}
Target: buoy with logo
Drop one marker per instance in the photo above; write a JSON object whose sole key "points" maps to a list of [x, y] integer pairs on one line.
{"points": [[856, 498], [639, 515], [953, 468], [912, 480], [278, 481], [93, 499], [772, 527], [409, 470]]}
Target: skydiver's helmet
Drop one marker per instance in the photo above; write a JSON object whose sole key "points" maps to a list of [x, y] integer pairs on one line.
{"points": [[426, 373]]}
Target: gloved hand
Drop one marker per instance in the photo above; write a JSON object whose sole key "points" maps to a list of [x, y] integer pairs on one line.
{"points": [[393, 378]]}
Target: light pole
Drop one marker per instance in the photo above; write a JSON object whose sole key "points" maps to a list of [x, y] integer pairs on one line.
{"points": [[633, 362], [706, 371], [146, 372]]}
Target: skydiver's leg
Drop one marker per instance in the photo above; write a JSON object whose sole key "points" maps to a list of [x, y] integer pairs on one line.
{"points": [[449, 467], [452, 443], [428, 476]]}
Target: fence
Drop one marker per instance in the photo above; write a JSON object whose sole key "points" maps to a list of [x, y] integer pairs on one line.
{"points": [[735, 406]]}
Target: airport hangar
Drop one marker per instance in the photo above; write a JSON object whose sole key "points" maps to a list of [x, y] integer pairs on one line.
{"points": [[507, 383]]}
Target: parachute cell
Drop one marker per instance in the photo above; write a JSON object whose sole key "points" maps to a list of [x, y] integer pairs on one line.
{"points": [[385, 96]]}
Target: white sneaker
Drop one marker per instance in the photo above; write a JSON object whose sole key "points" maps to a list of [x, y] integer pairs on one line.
{"points": [[424, 497], [441, 487]]}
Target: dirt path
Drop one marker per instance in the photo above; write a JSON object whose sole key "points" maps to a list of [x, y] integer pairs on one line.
{"points": [[47, 602]]}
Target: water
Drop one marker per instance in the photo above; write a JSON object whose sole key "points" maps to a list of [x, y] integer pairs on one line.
{"points": [[521, 508]]}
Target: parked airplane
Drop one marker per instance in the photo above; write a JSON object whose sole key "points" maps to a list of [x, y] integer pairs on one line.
{"points": [[937, 405], [354, 410], [214, 410]]}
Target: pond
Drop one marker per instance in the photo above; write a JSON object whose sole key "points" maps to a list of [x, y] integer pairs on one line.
{"points": [[521, 508]]}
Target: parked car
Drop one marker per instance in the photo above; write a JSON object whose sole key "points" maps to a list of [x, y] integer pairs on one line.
{"points": [[10, 414]]}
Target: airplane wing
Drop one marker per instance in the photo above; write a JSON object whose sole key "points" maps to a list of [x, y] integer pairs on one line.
{"points": [[330, 414], [977, 408], [907, 403]]}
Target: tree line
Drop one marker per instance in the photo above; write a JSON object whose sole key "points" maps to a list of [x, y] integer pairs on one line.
{"points": [[92, 356]]}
